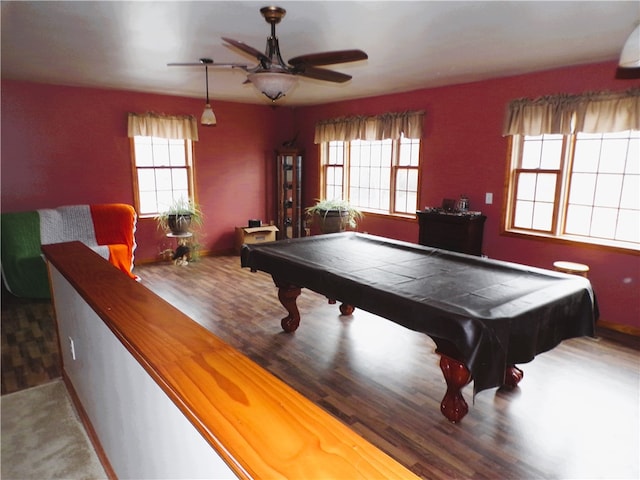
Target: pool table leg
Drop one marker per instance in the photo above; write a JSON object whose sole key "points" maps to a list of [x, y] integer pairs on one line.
{"points": [[512, 377], [287, 294], [345, 308], [457, 375]]}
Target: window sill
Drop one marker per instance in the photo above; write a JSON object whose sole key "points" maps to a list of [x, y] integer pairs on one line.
{"points": [[391, 216], [620, 247]]}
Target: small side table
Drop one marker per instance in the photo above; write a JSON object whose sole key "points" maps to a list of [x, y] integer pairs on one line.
{"points": [[571, 267], [182, 253]]}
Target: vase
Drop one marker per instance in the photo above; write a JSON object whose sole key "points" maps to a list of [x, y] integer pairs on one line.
{"points": [[179, 224], [333, 221]]}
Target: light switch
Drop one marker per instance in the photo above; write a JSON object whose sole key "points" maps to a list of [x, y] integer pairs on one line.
{"points": [[488, 198]]}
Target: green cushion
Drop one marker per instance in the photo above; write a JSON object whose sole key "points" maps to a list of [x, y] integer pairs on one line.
{"points": [[23, 268]]}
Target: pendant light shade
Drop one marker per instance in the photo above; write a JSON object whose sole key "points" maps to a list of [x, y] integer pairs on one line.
{"points": [[208, 118], [629, 64]]}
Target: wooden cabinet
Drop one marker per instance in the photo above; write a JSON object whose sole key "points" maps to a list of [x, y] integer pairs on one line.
{"points": [[289, 193], [456, 232]]}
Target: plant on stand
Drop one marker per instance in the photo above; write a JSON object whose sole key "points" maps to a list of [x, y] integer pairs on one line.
{"points": [[181, 220], [334, 215]]}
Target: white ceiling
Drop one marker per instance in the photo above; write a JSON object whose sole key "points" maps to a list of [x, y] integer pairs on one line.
{"points": [[411, 45]]}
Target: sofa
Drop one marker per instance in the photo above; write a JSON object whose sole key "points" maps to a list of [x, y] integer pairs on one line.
{"points": [[108, 229]]}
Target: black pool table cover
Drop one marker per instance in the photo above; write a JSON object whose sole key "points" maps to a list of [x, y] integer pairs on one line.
{"points": [[485, 313]]}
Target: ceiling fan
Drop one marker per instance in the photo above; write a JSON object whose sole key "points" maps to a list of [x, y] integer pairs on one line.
{"points": [[274, 77]]}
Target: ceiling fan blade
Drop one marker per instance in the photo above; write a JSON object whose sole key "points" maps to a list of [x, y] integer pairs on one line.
{"points": [[322, 74], [329, 58], [207, 62], [185, 64], [248, 49], [210, 65]]}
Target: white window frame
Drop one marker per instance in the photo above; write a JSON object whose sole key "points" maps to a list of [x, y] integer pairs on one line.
{"points": [[168, 195], [562, 198], [343, 171]]}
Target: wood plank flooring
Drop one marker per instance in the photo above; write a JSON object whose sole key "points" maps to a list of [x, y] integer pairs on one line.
{"points": [[30, 353], [576, 414]]}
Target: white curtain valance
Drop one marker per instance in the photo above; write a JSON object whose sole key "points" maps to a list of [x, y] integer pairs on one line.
{"points": [[150, 124], [594, 112], [377, 127]]}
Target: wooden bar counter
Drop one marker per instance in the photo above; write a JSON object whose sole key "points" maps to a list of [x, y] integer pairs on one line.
{"points": [[258, 426]]}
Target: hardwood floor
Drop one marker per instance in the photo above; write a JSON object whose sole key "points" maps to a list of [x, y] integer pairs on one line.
{"points": [[576, 414], [30, 354]]}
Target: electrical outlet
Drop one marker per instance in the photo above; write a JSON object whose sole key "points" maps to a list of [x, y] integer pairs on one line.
{"points": [[72, 348], [488, 198]]}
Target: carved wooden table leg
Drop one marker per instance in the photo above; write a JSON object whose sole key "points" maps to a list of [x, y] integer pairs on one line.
{"points": [[512, 376], [457, 375], [287, 294], [345, 309]]}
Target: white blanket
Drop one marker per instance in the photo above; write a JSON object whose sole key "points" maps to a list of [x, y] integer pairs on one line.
{"points": [[67, 224]]}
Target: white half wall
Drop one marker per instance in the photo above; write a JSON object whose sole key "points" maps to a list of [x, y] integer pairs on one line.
{"points": [[143, 433]]}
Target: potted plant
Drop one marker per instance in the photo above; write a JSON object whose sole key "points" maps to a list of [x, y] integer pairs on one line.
{"points": [[334, 215], [180, 216]]}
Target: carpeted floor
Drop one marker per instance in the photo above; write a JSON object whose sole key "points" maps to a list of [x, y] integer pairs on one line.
{"points": [[42, 437]]}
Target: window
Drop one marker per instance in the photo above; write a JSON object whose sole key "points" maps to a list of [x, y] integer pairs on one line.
{"points": [[379, 176], [163, 172], [582, 187], [162, 160], [333, 170], [574, 167], [372, 161]]}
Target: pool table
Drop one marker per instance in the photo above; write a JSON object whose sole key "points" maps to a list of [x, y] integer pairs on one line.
{"points": [[485, 316]]}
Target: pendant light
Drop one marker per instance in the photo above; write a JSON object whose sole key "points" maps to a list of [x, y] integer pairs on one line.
{"points": [[629, 65], [208, 118]]}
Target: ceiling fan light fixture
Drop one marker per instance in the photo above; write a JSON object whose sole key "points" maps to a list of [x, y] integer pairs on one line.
{"points": [[208, 118], [274, 85], [629, 64]]}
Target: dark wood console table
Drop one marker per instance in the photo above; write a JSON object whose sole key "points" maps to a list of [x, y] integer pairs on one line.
{"points": [[455, 232]]}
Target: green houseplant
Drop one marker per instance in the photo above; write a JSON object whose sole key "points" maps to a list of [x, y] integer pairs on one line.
{"points": [[180, 216], [334, 215]]}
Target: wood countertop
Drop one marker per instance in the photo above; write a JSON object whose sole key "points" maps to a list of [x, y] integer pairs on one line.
{"points": [[259, 425]]}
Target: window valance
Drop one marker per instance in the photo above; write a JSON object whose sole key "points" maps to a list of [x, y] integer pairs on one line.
{"points": [[594, 112], [377, 127], [150, 124]]}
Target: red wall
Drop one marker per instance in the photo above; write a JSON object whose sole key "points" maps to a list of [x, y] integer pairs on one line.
{"points": [[465, 153], [66, 145]]}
